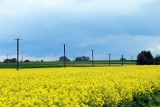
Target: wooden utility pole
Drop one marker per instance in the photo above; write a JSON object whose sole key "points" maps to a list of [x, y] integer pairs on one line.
{"points": [[92, 57], [109, 59], [122, 60], [65, 55], [7, 59], [131, 60], [22, 57], [73, 60], [17, 53]]}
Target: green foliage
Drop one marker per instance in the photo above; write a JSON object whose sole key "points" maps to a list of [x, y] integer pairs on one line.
{"points": [[145, 58], [26, 61], [13, 60], [142, 100], [156, 99], [157, 60], [62, 58], [83, 58]]}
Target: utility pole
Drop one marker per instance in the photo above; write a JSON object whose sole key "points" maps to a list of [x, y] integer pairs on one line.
{"points": [[7, 59], [122, 60], [131, 60], [64, 55], [92, 57], [73, 60], [17, 53], [109, 59], [22, 57]]}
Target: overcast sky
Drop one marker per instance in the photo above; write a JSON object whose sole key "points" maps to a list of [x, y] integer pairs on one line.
{"points": [[108, 26]]}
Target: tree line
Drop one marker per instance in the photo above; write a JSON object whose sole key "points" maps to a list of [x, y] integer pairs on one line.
{"points": [[81, 58], [143, 58], [146, 58]]}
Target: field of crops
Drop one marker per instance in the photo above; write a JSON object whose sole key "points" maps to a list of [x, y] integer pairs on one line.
{"points": [[79, 87]]}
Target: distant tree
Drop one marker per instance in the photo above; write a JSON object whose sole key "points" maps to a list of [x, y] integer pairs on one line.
{"points": [[62, 58], [13, 60], [6, 60], [157, 60], [145, 58], [27, 61], [78, 59], [83, 58], [124, 59]]}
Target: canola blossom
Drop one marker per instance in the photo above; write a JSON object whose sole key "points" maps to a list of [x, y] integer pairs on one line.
{"points": [[76, 87]]}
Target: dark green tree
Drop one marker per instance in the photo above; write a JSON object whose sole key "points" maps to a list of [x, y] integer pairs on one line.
{"points": [[124, 59], [83, 58], [157, 60], [145, 58], [13, 60], [6, 60], [27, 61], [78, 59], [62, 58]]}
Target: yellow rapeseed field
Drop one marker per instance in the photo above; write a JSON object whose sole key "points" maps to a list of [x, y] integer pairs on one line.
{"points": [[76, 87]]}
